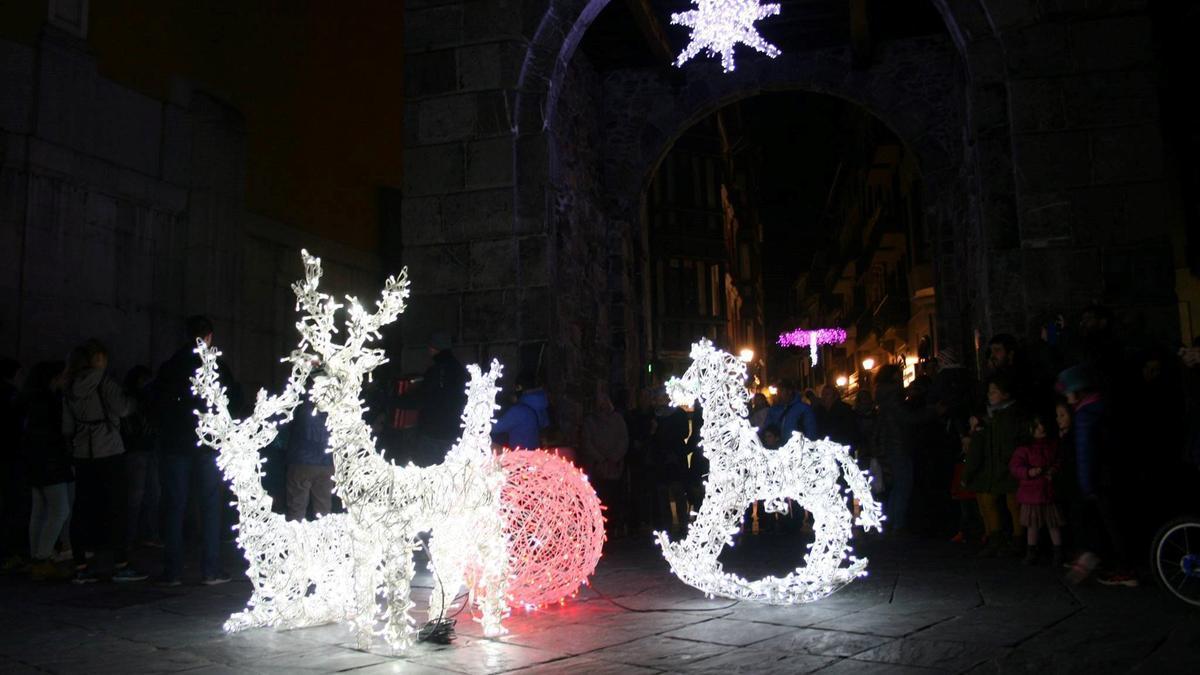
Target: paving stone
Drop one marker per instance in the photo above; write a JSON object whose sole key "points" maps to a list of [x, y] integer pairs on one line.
{"points": [[573, 638], [660, 652], [847, 666], [755, 659], [952, 656], [823, 642], [729, 632], [887, 625], [400, 667], [584, 664], [485, 656], [799, 616]]}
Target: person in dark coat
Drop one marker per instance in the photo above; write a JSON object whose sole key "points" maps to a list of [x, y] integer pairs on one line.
{"points": [[48, 465], [892, 443], [184, 462], [141, 462], [836, 418], [1097, 510], [439, 398], [14, 490], [668, 441]]}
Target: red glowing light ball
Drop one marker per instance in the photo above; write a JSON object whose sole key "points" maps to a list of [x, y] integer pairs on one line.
{"points": [[555, 527]]}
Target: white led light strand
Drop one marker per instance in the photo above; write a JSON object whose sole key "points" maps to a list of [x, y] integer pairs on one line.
{"points": [[388, 505], [742, 472], [718, 25], [299, 571]]}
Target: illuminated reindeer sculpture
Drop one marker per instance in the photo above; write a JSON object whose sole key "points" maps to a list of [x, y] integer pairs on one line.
{"points": [[742, 471], [388, 506], [299, 571]]}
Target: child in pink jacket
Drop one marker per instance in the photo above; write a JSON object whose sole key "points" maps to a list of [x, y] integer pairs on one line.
{"points": [[1035, 466]]}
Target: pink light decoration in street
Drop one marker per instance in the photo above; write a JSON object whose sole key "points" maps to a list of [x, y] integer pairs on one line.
{"points": [[813, 339], [554, 524]]}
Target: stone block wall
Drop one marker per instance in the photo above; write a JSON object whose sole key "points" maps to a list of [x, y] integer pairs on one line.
{"points": [[1095, 213], [121, 214], [477, 271]]}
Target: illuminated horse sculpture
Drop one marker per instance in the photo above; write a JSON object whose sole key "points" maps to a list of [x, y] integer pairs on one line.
{"points": [[742, 472], [298, 570], [388, 506]]}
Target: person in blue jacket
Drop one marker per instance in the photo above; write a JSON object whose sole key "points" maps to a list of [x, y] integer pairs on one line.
{"points": [[792, 414], [521, 425]]}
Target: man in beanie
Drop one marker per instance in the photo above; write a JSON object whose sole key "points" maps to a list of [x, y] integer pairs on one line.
{"points": [[1096, 509]]}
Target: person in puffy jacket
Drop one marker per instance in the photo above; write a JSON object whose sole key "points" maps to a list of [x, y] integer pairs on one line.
{"points": [[93, 406], [1037, 466], [987, 473], [521, 425]]}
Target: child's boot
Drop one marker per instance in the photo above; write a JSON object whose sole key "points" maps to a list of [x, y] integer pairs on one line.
{"points": [[1031, 554]]}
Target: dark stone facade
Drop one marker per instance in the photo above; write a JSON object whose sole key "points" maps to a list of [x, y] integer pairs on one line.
{"points": [[1036, 125]]}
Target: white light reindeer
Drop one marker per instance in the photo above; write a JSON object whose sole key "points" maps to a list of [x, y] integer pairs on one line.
{"points": [[388, 505], [742, 472], [299, 571]]}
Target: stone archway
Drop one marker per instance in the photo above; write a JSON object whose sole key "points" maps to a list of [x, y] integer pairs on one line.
{"points": [[917, 87], [1055, 178]]}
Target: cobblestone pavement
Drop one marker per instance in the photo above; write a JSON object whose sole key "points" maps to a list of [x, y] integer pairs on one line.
{"points": [[926, 607]]}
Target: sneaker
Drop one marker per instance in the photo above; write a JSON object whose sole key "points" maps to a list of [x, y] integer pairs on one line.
{"points": [[46, 570], [84, 576], [216, 580], [167, 582], [127, 574], [1118, 579], [1082, 567], [151, 543], [63, 555], [960, 538], [15, 564]]}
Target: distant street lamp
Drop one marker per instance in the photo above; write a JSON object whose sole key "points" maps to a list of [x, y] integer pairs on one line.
{"points": [[746, 355], [841, 380], [772, 390], [868, 363]]}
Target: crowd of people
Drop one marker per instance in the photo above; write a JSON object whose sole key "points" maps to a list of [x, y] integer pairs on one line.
{"points": [[1068, 449], [96, 468]]}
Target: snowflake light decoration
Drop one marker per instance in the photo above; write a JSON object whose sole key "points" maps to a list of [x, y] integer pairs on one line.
{"points": [[718, 25], [555, 527], [742, 472]]}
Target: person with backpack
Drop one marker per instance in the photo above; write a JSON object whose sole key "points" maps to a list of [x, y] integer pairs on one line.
{"points": [[184, 462], [93, 406], [47, 465]]}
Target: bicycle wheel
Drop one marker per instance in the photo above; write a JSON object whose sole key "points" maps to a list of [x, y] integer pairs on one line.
{"points": [[1175, 558]]}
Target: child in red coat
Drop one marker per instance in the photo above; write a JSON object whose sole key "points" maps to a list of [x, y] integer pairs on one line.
{"points": [[1035, 466]]}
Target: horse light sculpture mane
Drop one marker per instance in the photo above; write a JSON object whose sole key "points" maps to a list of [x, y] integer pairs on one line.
{"points": [[742, 471], [387, 505]]}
